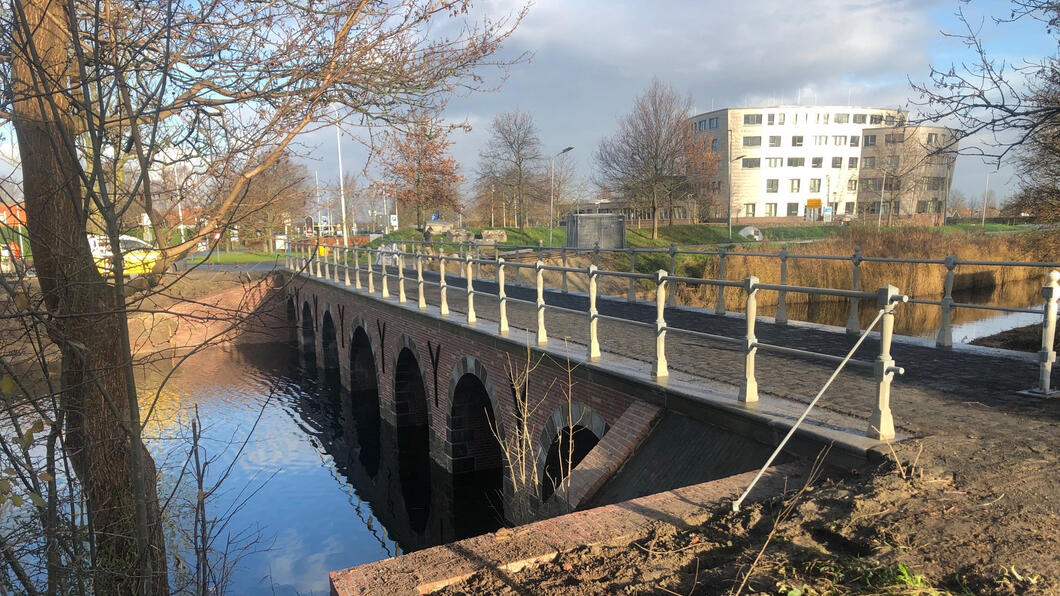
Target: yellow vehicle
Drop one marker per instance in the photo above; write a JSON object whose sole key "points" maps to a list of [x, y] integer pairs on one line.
{"points": [[138, 257]]}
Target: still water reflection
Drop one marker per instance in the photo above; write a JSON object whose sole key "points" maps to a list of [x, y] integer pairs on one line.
{"points": [[324, 491]]}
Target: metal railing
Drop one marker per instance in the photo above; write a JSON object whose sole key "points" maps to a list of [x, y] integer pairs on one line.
{"points": [[947, 304]]}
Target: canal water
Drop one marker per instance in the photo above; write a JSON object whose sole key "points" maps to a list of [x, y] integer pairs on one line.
{"points": [[305, 495]]}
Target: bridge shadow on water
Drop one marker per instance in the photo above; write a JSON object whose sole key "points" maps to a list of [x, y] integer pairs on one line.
{"points": [[419, 503]]}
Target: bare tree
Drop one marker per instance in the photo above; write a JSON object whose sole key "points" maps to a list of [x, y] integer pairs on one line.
{"points": [[511, 158], [655, 156], [228, 86]]}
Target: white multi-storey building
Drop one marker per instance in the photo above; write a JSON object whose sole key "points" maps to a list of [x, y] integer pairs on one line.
{"points": [[790, 161]]}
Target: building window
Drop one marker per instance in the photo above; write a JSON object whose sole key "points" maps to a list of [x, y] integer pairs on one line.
{"points": [[889, 120], [871, 184], [839, 140], [876, 119], [870, 140], [771, 119], [713, 122], [842, 118], [795, 184], [714, 144], [892, 161], [868, 163], [748, 209], [895, 138], [796, 141], [932, 138], [796, 162], [859, 118], [751, 162], [837, 162], [752, 119], [820, 140], [771, 209], [852, 184], [815, 185], [774, 141], [816, 162], [752, 141], [774, 162], [780, 119], [848, 208], [772, 185], [852, 162], [934, 183], [855, 141], [892, 183], [793, 209]]}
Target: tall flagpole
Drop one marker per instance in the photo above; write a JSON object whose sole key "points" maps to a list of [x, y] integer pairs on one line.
{"points": [[342, 191]]}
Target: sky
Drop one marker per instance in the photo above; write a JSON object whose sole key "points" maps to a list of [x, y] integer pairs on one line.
{"points": [[591, 58]]}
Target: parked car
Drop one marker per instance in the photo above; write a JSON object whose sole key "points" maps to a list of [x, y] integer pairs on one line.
{"points": [[138, 257]]}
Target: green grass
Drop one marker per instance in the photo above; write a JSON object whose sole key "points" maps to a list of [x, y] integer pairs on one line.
{"points": [[236, 258]]}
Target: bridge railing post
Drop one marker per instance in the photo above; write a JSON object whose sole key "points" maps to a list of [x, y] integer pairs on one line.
{"points": [[401, 276], [542, 334], [332, 272], [346, 264], [384, 289], [316, 261], [631, 295], [443, 300], [470, 291], [881, 424], [563, 257], [853, 323], [945, 336], [371, 270], [782, 295], [594, 338], [719, 307], [749, 388], [356, 268], [660, 370], [421, 298], [1047, 355], [502, 299]]}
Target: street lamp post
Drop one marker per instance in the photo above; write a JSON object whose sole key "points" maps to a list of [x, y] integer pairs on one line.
{"points": [[342, 191], [552, 191]]}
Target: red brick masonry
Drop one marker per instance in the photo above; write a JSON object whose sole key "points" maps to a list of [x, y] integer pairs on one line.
{"points": [[508, 551]]}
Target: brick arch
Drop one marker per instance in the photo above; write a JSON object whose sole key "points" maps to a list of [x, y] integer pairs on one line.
{"points": [[362, 407], [577, 415], [332, 354], [412, 418], [469, 365], [307, 329]]}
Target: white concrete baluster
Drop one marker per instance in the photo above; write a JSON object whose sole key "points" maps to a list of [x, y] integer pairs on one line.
{"points": [[853, 323], [384, 289], [660, 370], [357, 268], [563, 260], [502, 297], [443, 301], [881, 424], [371, 271], [749, 387], [1047, 356], [346, 264], [421, 298], [470, 290], [945, 336], [401, 276], [782, 295], [594, 338], [542, 334]]}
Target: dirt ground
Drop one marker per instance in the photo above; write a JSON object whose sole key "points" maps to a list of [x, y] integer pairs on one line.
{"points": [[1024, 339], [969, 505]]}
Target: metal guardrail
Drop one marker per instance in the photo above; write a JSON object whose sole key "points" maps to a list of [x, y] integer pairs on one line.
{"points": [[326, 264]]}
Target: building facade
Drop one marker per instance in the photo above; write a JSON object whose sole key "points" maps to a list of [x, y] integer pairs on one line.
{"points": [[798, 161], [905, 170]]}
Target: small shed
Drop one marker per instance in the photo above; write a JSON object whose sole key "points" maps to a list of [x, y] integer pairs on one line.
{"points": [[585, 230]]}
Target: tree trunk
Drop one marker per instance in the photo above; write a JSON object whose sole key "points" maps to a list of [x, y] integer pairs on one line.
{"points": [[98, 392], [654, 216]]}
